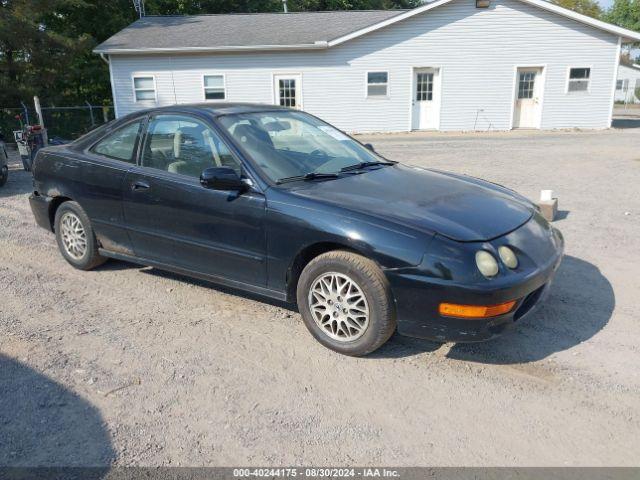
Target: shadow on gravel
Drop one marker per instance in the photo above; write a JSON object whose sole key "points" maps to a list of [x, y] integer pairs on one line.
{"points": [[580, 304], [19, 181], [43, 424], [219, 288], [624, 123], [400, 346]]}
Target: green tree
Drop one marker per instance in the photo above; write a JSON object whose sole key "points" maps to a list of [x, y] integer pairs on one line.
{"points": [[585, 7], [194, 7], [31, 53], [625, 13], [315, 5], [86, 76], [190, 7]]}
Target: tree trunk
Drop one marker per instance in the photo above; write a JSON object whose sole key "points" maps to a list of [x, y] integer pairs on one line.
{"points": [[11, 69]]}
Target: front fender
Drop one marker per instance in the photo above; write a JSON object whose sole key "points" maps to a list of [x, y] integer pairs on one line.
{"points": [[293, 226]]}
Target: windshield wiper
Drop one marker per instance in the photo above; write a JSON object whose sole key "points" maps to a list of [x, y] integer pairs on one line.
{"points": [[307, 177], [361, 165]]}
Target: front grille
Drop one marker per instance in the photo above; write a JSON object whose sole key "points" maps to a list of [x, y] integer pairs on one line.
{"points": [[529, 302]]}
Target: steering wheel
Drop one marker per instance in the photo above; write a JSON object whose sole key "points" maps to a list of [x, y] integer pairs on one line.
{"points": [[319, 153]]}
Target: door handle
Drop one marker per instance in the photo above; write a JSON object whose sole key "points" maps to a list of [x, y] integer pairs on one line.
{"points": [[139, 185]]}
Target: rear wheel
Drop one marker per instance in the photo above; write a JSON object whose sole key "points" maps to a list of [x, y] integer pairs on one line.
{"points": [[345, 302], [4, 175], [75, 237]]}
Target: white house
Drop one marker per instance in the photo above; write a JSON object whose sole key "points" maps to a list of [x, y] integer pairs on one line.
{"points": [[628, 84], [447, 65]]}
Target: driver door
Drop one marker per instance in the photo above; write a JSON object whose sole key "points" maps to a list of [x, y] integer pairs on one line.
{"points": [[173, 220]]}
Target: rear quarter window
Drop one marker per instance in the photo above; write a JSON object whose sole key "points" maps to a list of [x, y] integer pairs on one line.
{"points": [[121, 144]]}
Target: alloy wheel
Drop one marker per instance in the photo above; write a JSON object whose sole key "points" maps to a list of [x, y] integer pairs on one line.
{"points": [[339, 307], [74, 236]]}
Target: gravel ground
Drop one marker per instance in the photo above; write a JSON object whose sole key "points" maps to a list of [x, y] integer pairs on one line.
{"points": [[133, 366]]}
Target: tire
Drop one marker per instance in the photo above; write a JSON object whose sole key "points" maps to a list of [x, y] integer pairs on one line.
{"points": [[71, 219], [4, 175], [330, 274]]}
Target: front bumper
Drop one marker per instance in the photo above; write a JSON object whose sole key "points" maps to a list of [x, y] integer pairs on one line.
{"points": [[419, 291]]}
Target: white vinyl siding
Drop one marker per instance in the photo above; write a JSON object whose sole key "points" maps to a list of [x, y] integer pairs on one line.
{"points": [[629, 77], [457, 38]]}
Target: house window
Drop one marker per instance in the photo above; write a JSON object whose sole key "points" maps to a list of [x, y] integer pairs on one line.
{"points": [[144, 88], [619, 85], [579, 79], [214, 87], [377, 84]]}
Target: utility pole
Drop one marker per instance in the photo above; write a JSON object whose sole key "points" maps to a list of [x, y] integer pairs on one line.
{"points": [[139, 6], [284, 5]]}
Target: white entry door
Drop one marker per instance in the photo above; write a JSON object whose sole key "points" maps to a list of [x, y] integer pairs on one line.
{"points": [[426, 99], [527, 110], [288, 91]]}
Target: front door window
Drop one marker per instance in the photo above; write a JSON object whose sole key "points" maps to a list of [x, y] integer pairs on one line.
{"points": [[526, 85], [287, 88], [424, 87], [184, 145]]}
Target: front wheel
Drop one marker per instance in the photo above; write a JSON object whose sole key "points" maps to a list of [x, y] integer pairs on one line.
{"points": [[75, 237], [346, 303], [4, 175]]}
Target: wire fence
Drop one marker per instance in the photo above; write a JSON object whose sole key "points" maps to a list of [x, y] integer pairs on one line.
{"points": [[66, 123]]}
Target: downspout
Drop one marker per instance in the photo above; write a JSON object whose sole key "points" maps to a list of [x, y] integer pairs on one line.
{"points": [[107, 60], [616, 66]]}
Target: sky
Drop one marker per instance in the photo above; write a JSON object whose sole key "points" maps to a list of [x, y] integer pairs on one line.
{"points": [[605, 3]]}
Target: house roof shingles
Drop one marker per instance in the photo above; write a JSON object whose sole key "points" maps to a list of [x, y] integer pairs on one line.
{"points": [[282, 31], [240, 30]]}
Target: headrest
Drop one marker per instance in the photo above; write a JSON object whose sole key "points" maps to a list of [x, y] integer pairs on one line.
{"points": [[177, 144], [185, 135], [255, 136]]}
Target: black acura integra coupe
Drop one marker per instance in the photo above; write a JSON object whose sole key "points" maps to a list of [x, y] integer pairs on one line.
{"points": [[277, 202]]}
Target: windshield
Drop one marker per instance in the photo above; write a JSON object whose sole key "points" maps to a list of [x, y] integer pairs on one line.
{"points": [[290, 144]]}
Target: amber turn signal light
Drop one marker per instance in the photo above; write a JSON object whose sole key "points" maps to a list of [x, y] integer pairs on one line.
{"points": [[475, 311]]}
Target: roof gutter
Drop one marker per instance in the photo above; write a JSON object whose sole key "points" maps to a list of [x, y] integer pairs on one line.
{"points": [[320, 45]]}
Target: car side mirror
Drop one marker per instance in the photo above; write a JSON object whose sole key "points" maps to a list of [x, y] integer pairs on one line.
{"points": [[222, 178], [368, 146]]}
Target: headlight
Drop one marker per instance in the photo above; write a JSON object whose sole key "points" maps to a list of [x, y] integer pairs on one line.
{"points": [[508, 257], [486, 263]]}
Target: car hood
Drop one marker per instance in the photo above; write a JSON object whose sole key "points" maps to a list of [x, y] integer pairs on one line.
{"points": [[459, 207]]}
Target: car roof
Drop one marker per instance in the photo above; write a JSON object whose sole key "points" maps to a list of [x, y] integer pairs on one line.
{"points": [[214, 108]]}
